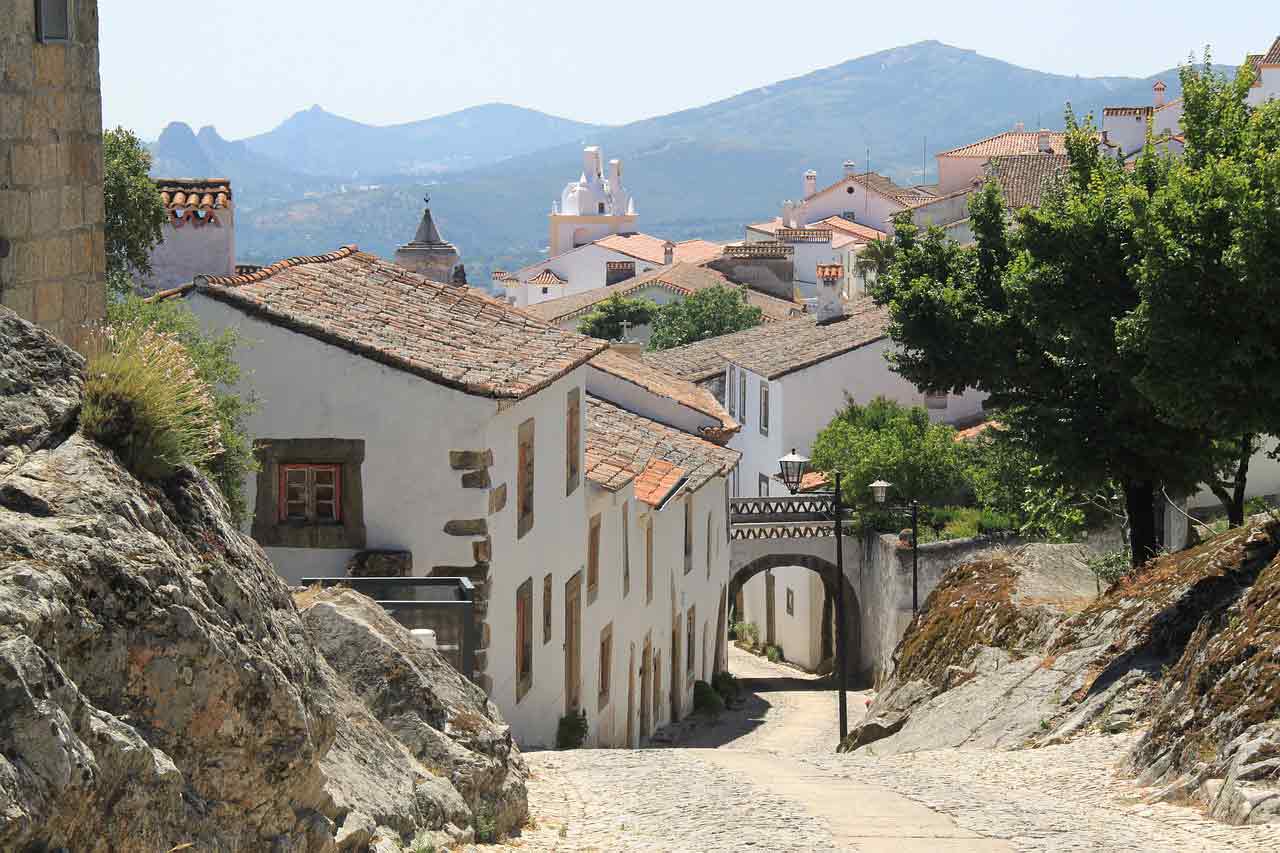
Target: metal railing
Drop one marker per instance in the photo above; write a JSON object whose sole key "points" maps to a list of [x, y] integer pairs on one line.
{"points": [[445, 605]]}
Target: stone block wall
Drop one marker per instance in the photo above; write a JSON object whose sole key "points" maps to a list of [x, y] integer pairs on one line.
{"points": [[52, 261]]}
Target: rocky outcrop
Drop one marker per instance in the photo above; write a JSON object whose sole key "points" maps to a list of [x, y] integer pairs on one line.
{"points": [[158, 686], [444, 720], [1004, 655]]}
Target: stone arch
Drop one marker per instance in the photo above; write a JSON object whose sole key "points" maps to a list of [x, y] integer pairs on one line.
{"points": [[831, 582]]}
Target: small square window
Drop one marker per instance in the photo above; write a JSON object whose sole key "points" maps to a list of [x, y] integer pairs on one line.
{"points": [[310, 493], [53, 21]]}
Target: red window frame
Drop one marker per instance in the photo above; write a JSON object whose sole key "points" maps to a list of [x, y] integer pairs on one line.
{"points": [[283, 505]]}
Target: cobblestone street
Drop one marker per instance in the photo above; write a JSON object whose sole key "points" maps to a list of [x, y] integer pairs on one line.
{"points": [[766, 777]]}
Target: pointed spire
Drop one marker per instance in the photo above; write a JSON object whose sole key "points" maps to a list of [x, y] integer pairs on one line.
{"points": [[427, 231]]}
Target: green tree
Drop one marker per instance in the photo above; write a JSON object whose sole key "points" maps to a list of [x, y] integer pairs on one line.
{"points": [[134, 211], [884, 440], [215, 364], [606, 321], [875, 259], [1028, 315], [1207, 242], [703, 314]]}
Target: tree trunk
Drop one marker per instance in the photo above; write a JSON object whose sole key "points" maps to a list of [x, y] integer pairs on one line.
{"points": [[1233, 500], [1139, 499]]}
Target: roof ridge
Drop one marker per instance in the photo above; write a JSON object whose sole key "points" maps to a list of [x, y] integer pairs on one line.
{"points": [[267, 272]]}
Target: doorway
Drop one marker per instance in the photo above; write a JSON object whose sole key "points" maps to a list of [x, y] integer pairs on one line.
{"points": [[573, 643]]}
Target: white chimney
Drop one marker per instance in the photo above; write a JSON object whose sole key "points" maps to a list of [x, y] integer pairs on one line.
{"points": [[591, 163], [1159, 89], [850, 168], [615, 175], [810, 183], [668, 253], [789, 214], [830, 300], [1044, 142], [1018, 126]]}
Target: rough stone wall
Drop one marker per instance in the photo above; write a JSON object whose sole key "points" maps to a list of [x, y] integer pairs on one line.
{"points": [[51, 214], [774, 276]]}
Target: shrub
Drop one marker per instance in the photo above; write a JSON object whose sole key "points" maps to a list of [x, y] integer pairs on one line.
{"points": [[1110, 567], [144, 399], [486, 826], [747, 633], [706, 699], [991, 521], [726, 685], [774, 654], [572, 731]]}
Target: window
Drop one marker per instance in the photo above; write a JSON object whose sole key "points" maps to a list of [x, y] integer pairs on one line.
{"points": [[593, 558], [691, 642], [546, 609], [606, 664], [53, 20], [688, 534], [600, 207], [791, 602], [731, 390], [524, 638], [742, 397], [764, 486], [648, 562], [626, 548], [310, 493], [524, 478], [764, 408], [545, 291], [573, 440], [709, 528]]}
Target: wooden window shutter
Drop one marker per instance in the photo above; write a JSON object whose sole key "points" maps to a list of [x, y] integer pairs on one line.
{"points": [[524, 478]]}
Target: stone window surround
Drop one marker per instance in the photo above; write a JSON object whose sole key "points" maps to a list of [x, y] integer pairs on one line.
{"points": [[269, 530], [524, 477]]}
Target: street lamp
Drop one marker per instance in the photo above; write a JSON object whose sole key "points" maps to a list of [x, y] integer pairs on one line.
{"points": [[792, 468], [879, 491]]}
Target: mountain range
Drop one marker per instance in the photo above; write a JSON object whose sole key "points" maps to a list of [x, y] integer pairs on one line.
{"points": [[319, 180]]}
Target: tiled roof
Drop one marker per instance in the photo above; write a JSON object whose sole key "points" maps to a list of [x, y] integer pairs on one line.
{"points": [[449, 335], [646, 247], [830, 271], [864, 233], [546, 278], [1272, 56], [200, 193], [681, 278], [1024, 177], [810, 482], [1176, 102], [881, 184], [664, 384], [844, 231], [777, 349], [621, 445], [976, 430], [1009, 142], [657, 480]]}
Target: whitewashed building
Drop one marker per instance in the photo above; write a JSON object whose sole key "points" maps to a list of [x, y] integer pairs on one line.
{"points": [[398, 414], [199, 233], [661, 286], [591, 207], [783, 383], [1266, 68]]}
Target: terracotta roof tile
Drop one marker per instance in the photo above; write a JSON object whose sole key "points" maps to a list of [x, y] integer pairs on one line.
{"points": [[198, 193], [1023, 178], [646, 247], [1272, 56], [1128, 111], [681, 278], [1009, 142], [862, 233], [446, 334], [664, 384], [621, 445], [657, 480], [776, 349], [546, 278]]}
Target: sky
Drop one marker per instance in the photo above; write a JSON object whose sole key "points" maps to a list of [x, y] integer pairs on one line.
{"points": [[246, 65]]}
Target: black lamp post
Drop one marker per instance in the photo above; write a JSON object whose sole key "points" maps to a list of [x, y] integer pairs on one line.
{"points": [[879, 490], [793, 467]]}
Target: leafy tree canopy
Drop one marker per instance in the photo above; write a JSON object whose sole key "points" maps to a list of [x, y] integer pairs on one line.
{"points": [[884, 440], [703, 314], [606, 321], [134, 211]]}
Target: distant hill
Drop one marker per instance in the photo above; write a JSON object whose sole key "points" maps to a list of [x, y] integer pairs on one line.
{"points": [[704, 171], [320, 143]]}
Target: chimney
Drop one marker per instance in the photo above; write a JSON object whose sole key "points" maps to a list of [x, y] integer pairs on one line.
{"points": [[850, 168], [1018, 126], [615, 175], [830, 299], [1044, 142], [591, 163], [810, 183], [1159, 89], [668, 253]]}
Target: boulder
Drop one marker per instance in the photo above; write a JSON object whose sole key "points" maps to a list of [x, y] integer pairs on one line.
{"points": [[158, 687]]}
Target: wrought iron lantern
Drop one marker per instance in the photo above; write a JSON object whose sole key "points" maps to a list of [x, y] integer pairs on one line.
{"points": [[880, 490], [793, 467]]}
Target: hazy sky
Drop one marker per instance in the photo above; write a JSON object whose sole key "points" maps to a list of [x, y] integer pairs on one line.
{"points": [[244, 65]]}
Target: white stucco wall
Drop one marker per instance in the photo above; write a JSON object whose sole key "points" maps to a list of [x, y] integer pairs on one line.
{"points": [[187, 252], [1268, 88], [635, 399], [582, 269], [957, 172], [1127, 131], [868, 207]]}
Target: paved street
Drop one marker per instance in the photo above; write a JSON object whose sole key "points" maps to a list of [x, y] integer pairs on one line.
{"points": [[765, 777]]}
